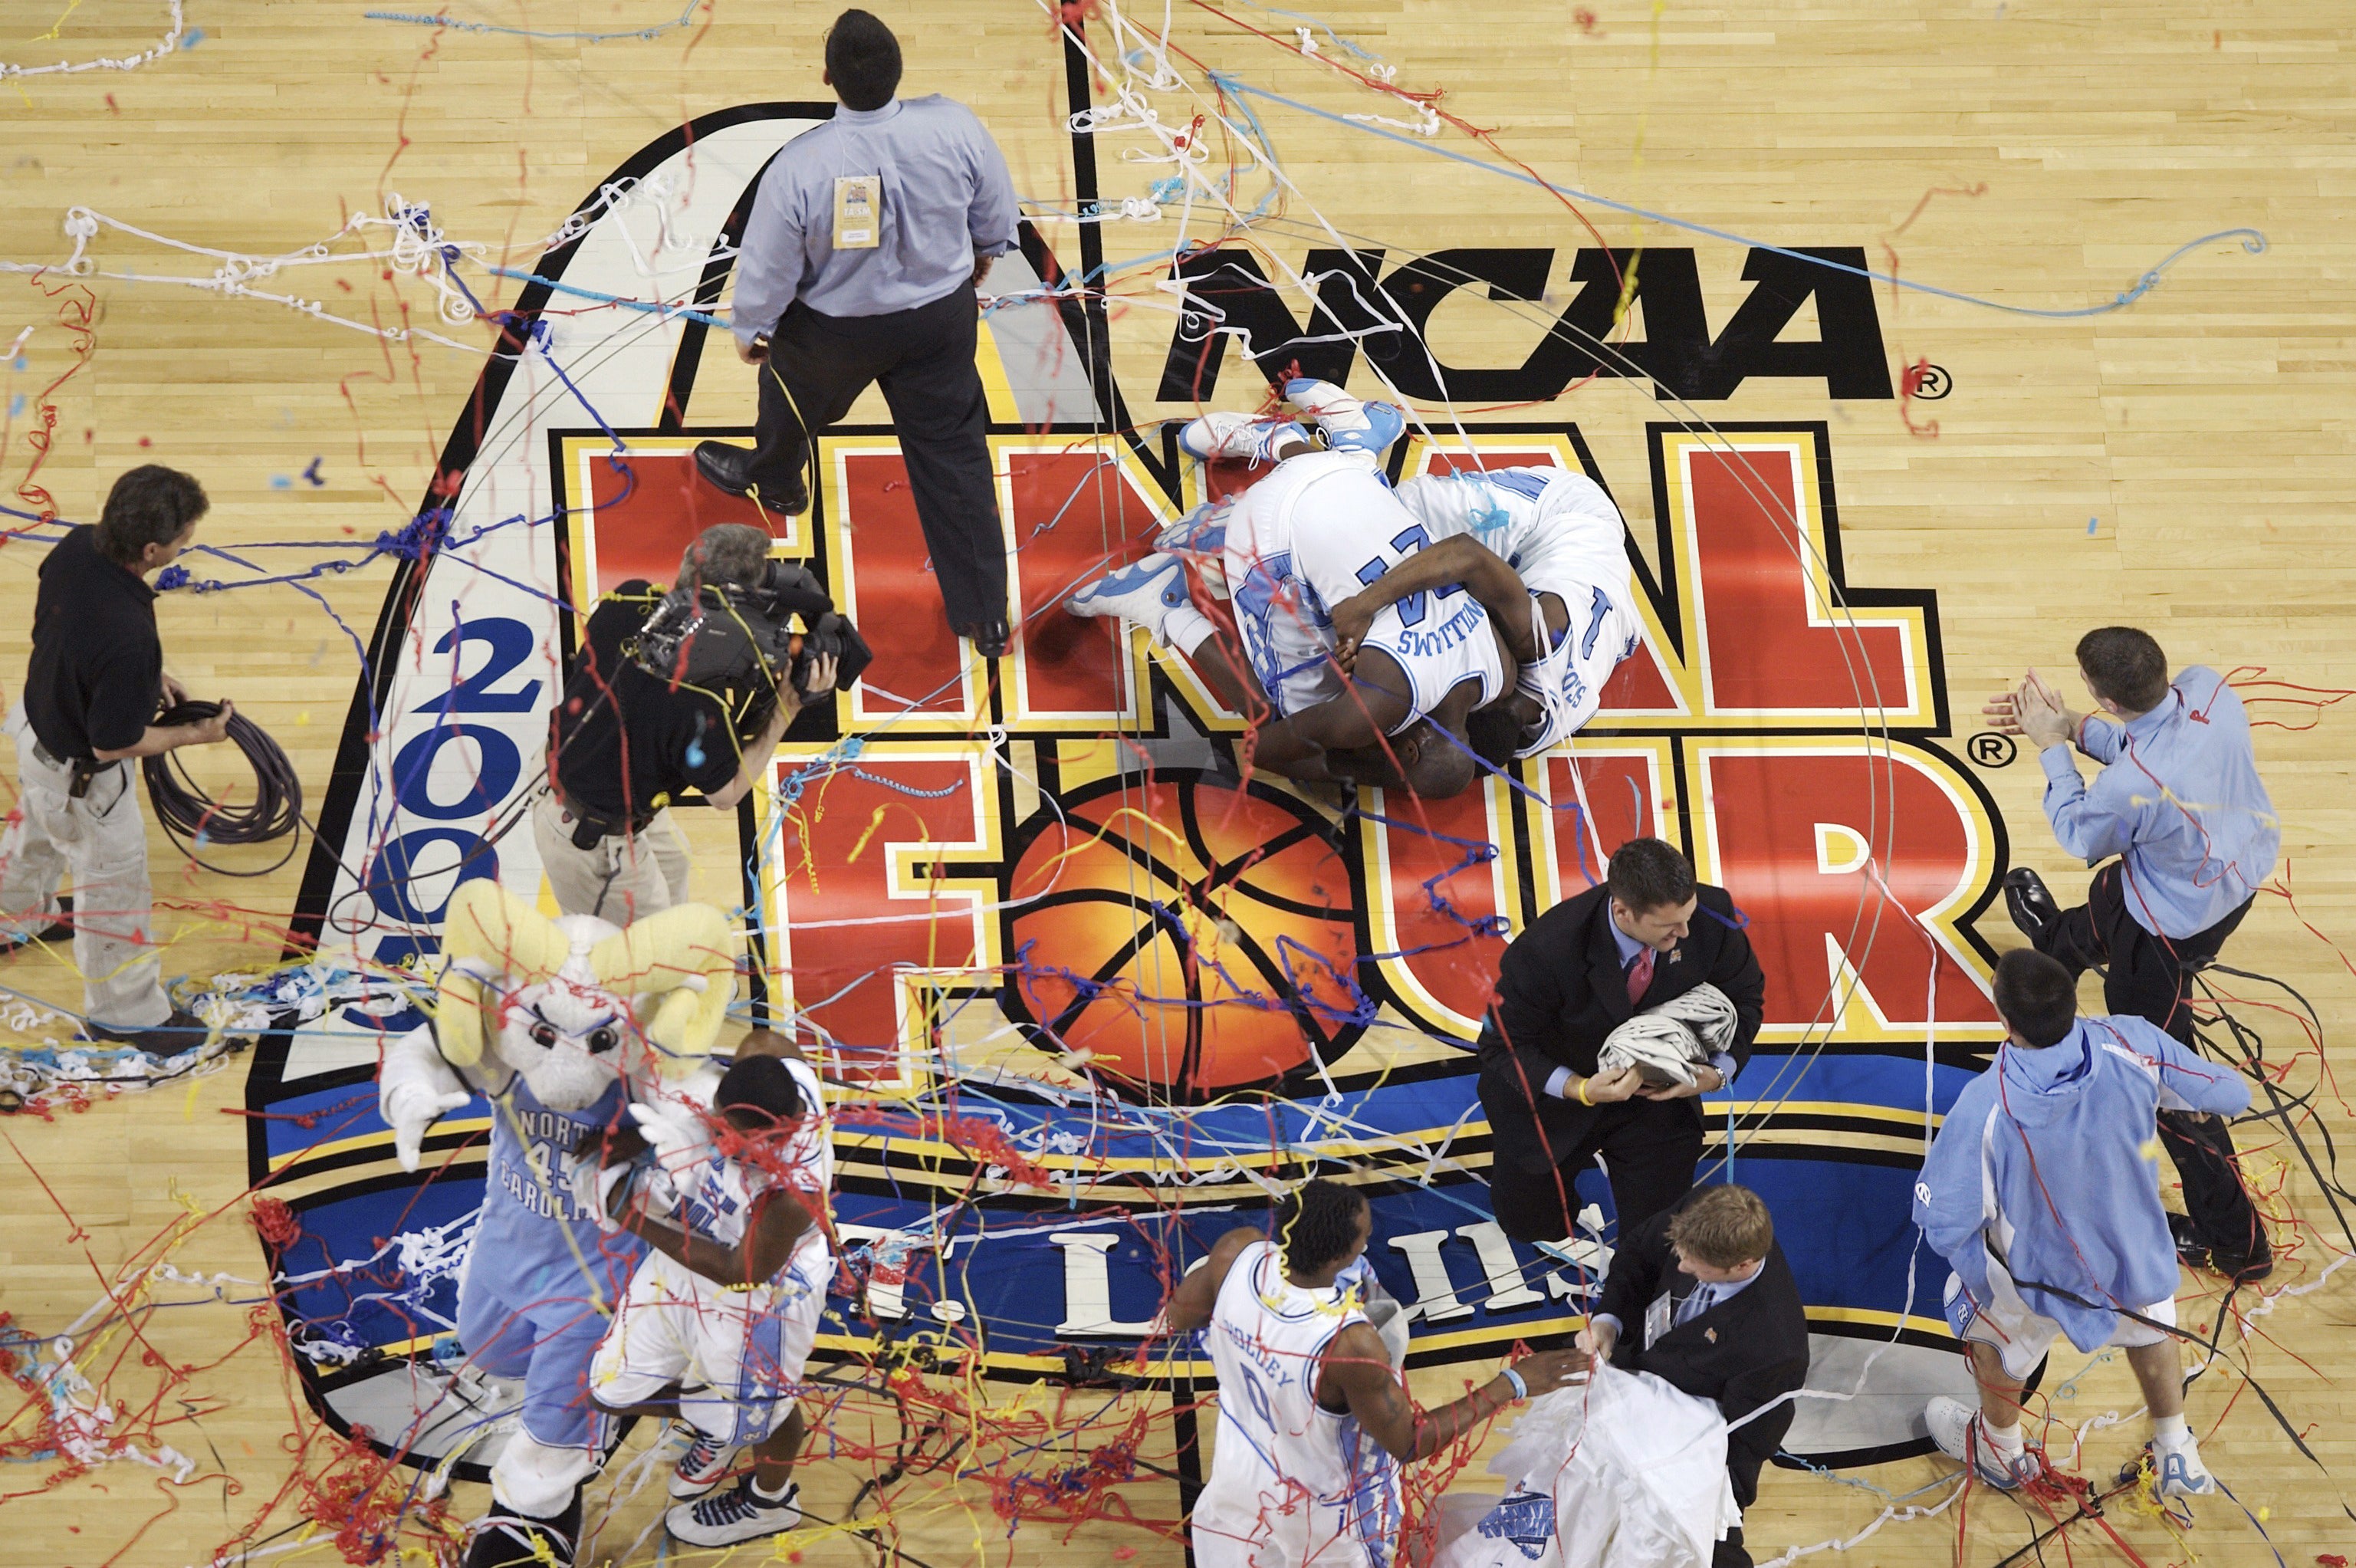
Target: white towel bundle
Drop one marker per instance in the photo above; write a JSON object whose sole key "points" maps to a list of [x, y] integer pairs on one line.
{"points": [[1667, 1042]]}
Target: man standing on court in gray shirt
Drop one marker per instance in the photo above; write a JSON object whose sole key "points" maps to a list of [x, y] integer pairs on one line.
{"points": [[867, 239]]}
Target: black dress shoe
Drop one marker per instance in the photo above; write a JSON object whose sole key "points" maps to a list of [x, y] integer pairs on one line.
{"points": [[730, 468], [60, 929], [2242, 1271], [2029, 902], [989, 638], [2190, 1249], [2202, 1258], [183, 1031]]}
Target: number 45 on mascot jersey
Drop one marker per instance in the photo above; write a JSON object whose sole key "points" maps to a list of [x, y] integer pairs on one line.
{"points": [[561, 1025]]}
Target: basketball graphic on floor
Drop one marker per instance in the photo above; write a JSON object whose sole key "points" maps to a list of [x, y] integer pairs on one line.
{"points": [[1190, 936]]}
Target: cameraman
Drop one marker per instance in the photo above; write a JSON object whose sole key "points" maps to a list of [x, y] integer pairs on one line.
{"points": [[92, 692], [625, 741]]}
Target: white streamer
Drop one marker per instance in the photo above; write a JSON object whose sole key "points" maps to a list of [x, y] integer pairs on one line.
{"points": [[129, 62]]}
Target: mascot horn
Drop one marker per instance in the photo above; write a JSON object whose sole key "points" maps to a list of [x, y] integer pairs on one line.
{"points": [[561, 1025]]}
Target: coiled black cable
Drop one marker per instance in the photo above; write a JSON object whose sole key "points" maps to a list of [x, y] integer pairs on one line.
{"points": [[193, 816]]}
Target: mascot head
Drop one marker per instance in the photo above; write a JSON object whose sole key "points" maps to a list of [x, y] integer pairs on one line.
{"points": [[572, 1004]]}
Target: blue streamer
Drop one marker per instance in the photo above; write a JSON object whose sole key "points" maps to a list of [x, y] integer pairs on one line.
{"points": [[2251, 239]]}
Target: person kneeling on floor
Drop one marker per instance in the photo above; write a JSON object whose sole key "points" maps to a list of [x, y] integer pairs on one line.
{"points": [[2042, 1192]]}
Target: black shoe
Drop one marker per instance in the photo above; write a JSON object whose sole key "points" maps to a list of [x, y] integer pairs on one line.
{"points": [[2029, 902], [989, 638], [504, 1538], [2190, 1249], [731, 469], [183, 1031], [2202, 1258], [60, 929], [2243, 1271]]}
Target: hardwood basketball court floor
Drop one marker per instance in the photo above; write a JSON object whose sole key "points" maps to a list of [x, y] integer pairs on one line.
{"points": [[1953, 332]]}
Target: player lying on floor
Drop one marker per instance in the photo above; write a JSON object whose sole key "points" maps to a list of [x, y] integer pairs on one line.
{"points": [[719, 1319], [1551, 532], [1320, 527]]}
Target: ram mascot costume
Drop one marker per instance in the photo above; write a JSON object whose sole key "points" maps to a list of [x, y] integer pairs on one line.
{"points": [[561, 1025]]}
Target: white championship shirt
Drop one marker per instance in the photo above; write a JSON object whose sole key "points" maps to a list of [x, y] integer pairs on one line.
{"points": [[716, 1196]]}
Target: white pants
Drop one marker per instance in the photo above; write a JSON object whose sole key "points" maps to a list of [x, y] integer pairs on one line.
{"points": [[736, 1356], [620, 879], [102, 840]]}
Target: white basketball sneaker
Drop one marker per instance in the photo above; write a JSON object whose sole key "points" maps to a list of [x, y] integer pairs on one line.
{"points": [[1958, 1431], [1349, 424], [701, 1467], [1145, 592], [1200, 539], [2177, 1470], [1237, 438], [739, 1513]]}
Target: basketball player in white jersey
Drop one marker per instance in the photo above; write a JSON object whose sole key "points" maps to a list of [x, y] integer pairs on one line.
{"points": [[1551, 530], [1314, 1421], [1320, 527], [720, 1317]]}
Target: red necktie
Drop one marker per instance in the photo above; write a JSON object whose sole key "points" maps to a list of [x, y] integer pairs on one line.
{"points": [[1640, 977]]}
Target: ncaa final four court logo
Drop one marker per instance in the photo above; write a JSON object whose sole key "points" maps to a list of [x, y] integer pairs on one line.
{"points": [[1085, 993]]}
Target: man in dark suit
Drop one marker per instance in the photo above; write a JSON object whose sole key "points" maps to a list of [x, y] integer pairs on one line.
{"points": [[1585, 967], [1701, 1298]]}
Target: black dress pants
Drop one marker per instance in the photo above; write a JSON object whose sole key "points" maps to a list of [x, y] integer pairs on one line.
{"points": [[924, 359], [2148, 976], [1650, 1148]]}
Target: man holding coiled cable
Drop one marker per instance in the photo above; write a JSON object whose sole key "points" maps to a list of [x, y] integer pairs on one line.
{"points": [[686, 689], [92, 690]]}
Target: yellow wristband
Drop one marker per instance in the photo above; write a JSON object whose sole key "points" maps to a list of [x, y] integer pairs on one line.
{"points": [[1582, 1093]]}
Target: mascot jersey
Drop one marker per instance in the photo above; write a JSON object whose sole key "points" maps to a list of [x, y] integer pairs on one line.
{"points": [[530, 1146]]}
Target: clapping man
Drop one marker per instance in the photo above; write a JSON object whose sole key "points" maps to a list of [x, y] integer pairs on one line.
{"points": [[2178, 801]]}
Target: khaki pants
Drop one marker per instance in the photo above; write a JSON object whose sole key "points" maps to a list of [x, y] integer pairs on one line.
{"points": [[620, 878], [101, 840]]}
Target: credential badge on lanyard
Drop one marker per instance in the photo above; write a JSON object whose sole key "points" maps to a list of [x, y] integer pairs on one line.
{"points": [[1657, 1319], [857, 211]]}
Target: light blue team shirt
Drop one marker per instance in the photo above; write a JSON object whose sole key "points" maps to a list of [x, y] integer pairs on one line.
{"points": [[946, 200], [2178, 799]]}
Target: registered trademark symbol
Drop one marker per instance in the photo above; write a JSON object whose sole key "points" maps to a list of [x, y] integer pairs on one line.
{"points": [[1990, 748], [1929, 382]]}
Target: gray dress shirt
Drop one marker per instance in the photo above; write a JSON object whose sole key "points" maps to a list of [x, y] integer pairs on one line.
{"points": [[947, 200]]}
